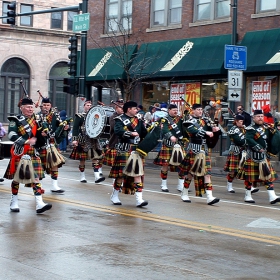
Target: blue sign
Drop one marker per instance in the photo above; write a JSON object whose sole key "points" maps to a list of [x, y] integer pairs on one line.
{"points": [[235, 57]]}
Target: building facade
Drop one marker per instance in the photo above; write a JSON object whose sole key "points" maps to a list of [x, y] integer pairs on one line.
{"points": [[34, 55], [173, 48]]}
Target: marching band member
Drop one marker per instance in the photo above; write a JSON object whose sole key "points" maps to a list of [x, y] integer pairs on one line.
{"points": [[130, 130], [237, 146], [197, 160], [50, 147], [86, 148], [172, 145], [111, 150], [257, 166], [25, 164]]}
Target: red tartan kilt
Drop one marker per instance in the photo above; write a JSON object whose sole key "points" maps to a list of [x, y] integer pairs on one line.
{"points": [[232, 163], [109, 157], [188, 162], [37, 165], [163, 156], [78, 154], [120, 162], [250, 172]]}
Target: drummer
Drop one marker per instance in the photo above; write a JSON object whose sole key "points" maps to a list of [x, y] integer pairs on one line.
{"points": [[111, 150], [86, 148]]}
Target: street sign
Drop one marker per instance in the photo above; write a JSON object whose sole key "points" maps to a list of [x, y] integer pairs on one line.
{"points": [[234, 95], [81, 22], [235, 57], [235, 79]]}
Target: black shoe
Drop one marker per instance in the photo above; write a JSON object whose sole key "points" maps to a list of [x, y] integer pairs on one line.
{"points": [[215, 200], [232, 191], [1, 179], [14, 210], [144, 203], [165, 190], [100, 180], [83, 181], [254, 190], [45, 208], [275, 200], [58, 191]]}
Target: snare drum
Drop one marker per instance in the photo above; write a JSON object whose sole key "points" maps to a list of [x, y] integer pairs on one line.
{"points": [[97, 122]]}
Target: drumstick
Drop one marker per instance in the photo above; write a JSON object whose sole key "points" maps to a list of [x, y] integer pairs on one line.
{"points": [[101, 103]]}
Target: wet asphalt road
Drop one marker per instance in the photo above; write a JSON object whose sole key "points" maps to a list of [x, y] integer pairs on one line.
{"points": [[84, 236]]}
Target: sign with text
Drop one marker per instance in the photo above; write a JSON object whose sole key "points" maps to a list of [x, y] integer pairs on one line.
{"points": [[235, 57], [176, 92], [235, 79], [193, 93], [81, 22], [261, 93]]}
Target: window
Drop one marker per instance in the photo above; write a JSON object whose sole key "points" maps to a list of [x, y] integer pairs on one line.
{"points": [[70, 17], [4, 11], [166, 12], [119, 15], [268, 6], [26, 20], [211, 9], [56, 20]]}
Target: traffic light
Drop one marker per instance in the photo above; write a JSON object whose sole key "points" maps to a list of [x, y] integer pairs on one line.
{"points": [[71, 86], [73, 48], [11, 13]]}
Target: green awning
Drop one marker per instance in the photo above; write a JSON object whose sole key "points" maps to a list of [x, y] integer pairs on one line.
{"points": [[263, 50], [108, 63], [185, 57]]}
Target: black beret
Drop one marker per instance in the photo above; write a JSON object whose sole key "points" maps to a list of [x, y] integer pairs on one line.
{"points": [[258, 112], [46, 100], [196, 105], [26, 101], [239, 118], [172, 106], [129, 104]]}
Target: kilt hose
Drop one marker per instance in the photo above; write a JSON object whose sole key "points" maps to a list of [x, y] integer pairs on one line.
{"points": [[36, 162], [250, 172], [109, 157], [188, 162], [117, 170], [232, 163]]}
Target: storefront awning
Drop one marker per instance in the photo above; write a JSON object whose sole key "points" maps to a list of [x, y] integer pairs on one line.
{"points": [[186, 57], [108, 63], [263, 50]]}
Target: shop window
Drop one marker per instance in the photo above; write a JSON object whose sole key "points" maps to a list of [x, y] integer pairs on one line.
{"points": [[206, 10], [56, 20], [166, 12], [26, 20], [118, 16]]}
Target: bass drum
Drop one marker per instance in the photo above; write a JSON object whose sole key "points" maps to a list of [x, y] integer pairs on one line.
{"points": [[97, 122]]}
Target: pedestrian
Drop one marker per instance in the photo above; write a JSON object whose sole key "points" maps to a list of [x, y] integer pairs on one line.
{"points": [[111, 149], [148, 117], [25, 164], [50, 155], [257, 166], [130, 130], [197, 161], [2, 131], [236, 150], [63, 143], [172, 141], [141, 111], [267, 116], [247, 117], [86, 148]]}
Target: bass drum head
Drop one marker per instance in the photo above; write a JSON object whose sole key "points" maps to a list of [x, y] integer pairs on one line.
{"points": [[95, 122]]}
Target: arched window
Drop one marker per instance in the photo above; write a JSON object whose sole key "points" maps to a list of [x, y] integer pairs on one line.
{"points": [[13, 71], [60, 99]]}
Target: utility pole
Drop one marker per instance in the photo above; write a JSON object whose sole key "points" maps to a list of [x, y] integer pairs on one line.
{"points": [[83, 91]]}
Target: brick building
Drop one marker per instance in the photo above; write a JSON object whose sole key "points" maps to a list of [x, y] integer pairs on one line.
{"points": [[184, 42]]}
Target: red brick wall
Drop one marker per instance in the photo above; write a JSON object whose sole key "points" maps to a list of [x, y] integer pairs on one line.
{"points": [[141, 21]]}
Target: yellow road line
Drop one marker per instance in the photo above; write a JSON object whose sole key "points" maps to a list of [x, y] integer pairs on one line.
{"points": [[167, 220]]}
